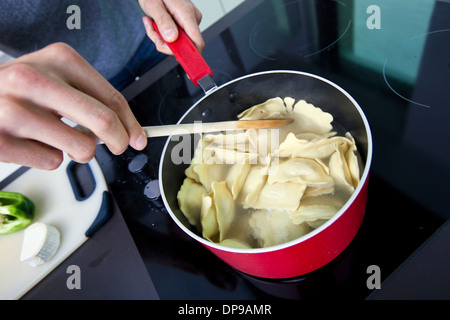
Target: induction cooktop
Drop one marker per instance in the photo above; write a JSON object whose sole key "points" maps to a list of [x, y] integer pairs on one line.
{"points": [[393, 58]]}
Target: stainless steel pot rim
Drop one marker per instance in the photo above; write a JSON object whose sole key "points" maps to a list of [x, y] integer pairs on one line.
{"points": [[311, 234]]}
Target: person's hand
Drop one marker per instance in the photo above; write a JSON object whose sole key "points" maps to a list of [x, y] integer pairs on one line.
{"points": [[39, 89], [167, 15]]}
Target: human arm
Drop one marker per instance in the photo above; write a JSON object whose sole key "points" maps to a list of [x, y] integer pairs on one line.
{"points": [[167, 15], [39, 89]]}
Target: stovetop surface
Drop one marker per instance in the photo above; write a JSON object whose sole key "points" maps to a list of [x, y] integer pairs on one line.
{"points": [[396, 65]]}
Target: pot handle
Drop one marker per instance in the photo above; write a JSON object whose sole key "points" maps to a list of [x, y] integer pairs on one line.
{"points": [[187, 55]]}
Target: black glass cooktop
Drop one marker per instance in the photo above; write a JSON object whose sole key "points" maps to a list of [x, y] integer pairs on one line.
{"points": [[392, 57]]}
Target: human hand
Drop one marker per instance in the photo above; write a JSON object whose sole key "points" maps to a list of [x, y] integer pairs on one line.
{"points": [[39, 89], [167, 15]]}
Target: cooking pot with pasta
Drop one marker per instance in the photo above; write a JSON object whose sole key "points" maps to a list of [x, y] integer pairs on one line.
{"points": [[279, 203]]}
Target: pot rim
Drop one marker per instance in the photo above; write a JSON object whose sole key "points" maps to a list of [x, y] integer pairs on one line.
{"points": [[314, 232]]}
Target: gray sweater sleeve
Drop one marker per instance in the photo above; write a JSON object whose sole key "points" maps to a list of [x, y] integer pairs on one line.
{"points": [[109, 34]]}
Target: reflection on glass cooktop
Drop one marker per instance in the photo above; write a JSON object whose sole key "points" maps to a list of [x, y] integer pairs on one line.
{"points": [[392, 58]]}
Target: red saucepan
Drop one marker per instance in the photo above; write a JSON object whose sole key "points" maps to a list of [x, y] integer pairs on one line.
{"points": [[322, 245]]}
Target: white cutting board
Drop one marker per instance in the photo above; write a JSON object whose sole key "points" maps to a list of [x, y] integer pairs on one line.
{"points": [[56, 205]]}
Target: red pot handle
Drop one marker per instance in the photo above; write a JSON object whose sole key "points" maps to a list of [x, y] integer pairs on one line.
{"points": [[187, 55]]}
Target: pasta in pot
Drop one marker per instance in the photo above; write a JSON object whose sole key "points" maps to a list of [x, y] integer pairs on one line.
{"points": [[258, 188], [270, 228]]}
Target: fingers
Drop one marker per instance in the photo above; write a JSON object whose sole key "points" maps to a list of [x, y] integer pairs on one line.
{"points": [[159, 42], [25, 123], [188, 17], [106, 125], [29, 153], [168, 31], [158, 11], [75, 90], [167, 15]]}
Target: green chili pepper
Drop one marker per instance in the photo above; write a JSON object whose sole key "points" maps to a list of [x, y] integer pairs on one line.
{"points": [[16, 212]]}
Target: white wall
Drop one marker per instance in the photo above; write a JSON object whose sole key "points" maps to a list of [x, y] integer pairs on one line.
{"points": [[213, 10]]}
